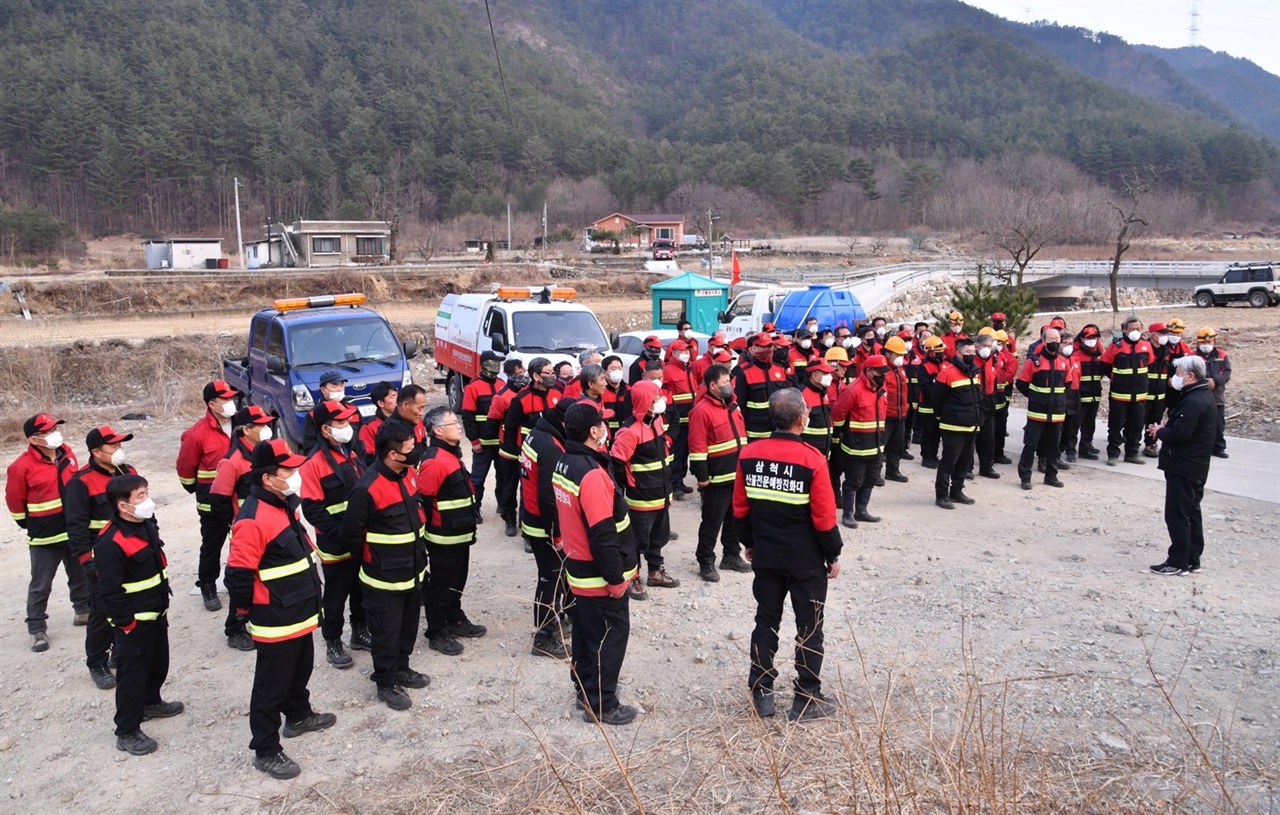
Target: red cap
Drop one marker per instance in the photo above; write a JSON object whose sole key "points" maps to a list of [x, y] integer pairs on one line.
{"points": [[739, 344], [770, 327], [876, 361], [821, 366], [652, 341], [678, 345], [1154, 327], [104, 435], [721, 355], [762, 340], [715, 342], [219, 389], [1089, 332], [253, 414], [1057, 322], [782, 339], [275, 453], [999, 315], [905, 334], [40, 424], [333, 411]]}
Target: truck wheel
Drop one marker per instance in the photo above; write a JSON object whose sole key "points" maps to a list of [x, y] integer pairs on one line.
{"points": [[1204, 299], [283, 432], [453, 390], [1258, 298]]}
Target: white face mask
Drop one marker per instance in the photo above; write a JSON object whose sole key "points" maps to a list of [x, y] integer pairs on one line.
{"points": [[659, 406], [54, 439], [1206, 347], [292, 484], [119, 458], [1134, 336], [228, 409], [899, 362], [909, 345], [1163, 339], [145, 509], [341, 435], [687, 333], [848, 342], [1177, 381], [682, 357], [856, 342], [880, 332], [615, 376], [336, 396], [1067, 349], [825, 380], [1090, 343], [828, 341], [956, 329], [812, 328], [265, 433], [984, 352], [806, 344]]}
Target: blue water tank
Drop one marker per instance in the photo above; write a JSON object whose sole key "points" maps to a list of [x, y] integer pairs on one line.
{"points": [[831, 307]]}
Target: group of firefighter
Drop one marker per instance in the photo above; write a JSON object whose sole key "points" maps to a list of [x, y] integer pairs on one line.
{"points": [[784, 435]]}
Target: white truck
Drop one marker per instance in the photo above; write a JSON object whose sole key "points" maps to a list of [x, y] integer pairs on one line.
{"points": [[749, 311], [521, 322]]}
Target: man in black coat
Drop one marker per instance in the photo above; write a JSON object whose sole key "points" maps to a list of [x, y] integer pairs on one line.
{"points": [[1188, 435]]}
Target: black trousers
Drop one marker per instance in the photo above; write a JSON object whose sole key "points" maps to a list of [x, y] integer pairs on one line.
{"points": [[601, 628], [1040, 438], [650, 529], [835, 467], [280, 687], [213, 534], [142, 665], [45, 561], [1155, 408], [97, 636], [342, 590], [1220, 443], [999, 432], [808, 591], [956, 459], [930, 436], [679, 452], [1124, 427], [717, 522], [480, 464], [908, 427], [393, 625], [1068, 439], [443, 591], [1182, 498], [895, 443], [549, 591], [1078, 435], [985, 443], [507, 478]]}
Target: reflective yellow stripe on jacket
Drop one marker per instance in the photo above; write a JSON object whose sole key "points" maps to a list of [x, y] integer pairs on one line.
{"points": [[404, 585], [44, 506], [49, 541], [142, 585], [598, 582], [277, 572], [278, 632]]}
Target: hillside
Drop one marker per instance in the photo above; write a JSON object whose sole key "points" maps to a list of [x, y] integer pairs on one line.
{"points": [[137, 114], [1250, 93]]}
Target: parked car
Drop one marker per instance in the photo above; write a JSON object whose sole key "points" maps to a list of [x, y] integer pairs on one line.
{"points": [[663, 250], [1254, 283]]}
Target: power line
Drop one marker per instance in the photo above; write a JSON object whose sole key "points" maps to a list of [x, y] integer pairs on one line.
{"points": [[501, 79]]}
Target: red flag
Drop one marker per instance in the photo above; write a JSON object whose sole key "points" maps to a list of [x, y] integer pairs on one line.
{"points": [[737, 269]]}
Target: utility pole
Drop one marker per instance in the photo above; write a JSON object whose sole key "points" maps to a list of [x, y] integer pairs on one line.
{"points": [[710, 243], [544, 228], [508, 226], [239, 232]]}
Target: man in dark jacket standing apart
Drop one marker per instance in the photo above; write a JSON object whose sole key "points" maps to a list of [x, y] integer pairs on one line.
{"points": [[1188, 435], [785, 510]]}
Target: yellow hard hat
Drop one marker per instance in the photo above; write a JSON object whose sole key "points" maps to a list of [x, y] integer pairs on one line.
{"points": [[1206, 333], [986, 331], [1002, 336], [934, 344], [836, 355], [896, 345], [1176, 326], [955, 317]]}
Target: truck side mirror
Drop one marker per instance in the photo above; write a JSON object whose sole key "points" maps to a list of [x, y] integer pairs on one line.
{"points": [[723, 317], [613, 340], [410, 349], [500, 343], [274, 364]]}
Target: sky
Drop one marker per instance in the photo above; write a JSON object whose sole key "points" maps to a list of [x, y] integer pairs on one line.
{"points": [[1249, 29]]}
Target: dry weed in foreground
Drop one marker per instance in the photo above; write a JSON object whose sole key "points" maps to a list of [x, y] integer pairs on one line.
{"points": [[890, 752]]}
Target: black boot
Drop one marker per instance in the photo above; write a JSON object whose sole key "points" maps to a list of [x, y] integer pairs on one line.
{"points": [[849, 518], [860, 512], [361, 639], [511, 525]]}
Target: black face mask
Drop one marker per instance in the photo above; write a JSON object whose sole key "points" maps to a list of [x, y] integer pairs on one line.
{"points": [[876, 380], [652, 353], [726, 392], [967, 358], [518, 382], [997, 325], [547, 380], [412, 458], [1051, 348]]}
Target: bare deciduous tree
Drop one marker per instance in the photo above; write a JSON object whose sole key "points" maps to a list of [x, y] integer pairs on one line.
{"points": [[1127, 221]]}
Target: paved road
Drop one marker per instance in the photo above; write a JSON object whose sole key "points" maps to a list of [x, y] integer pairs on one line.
{"points": [[1251, 472]]}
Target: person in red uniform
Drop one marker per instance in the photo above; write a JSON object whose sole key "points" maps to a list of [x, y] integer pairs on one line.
{"points": [[133, 576], [1127, 361], [383, 529], [652, 351], [1071, 427], [1043, 380], [477, 398], [799, 355], [988, 363], [506, 470], [1006, 373], [328, 476], [838, 358], [542, 448], [999, 322], [600, 563], [754, 382], [859, 417], [700, 365], [203, 445], [88, 510], [449, 502], [926, 415], [785, 512], [522, 414], [273, 582], [231, 486], [384, 396], [575, 384], [819, 377], [1088, 356], [957, 400], [684, 330], [897, 393], [955, 323], [333, 388], [1158, 387], [677, 380], [617, 394], [717, 433], [1217, 375], [33, 493], [641, 462]]}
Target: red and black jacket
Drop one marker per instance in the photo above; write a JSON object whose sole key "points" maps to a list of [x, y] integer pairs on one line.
{"points": [[677, 380], [232, 483], [538, 456], [419, 434], [595, 527], [820, 428], [477, 398], [915, 360], [33, 491], [753, 384], [369, 436], [384, 524], [618, 399], [717, 435], [1043, 380], [859, 417], [928, 375], [641, 455], [203, 445], [1127, 364], [448, 496], [311, 433], [328, 476], [1091, 372], [272, 572], [1161, 369], [957, 397], [133, 573], [522, 415], [496, 420], [84, 501], [897, 397], [784, 506]]}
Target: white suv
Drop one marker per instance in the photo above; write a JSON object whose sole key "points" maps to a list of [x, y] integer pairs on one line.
{"points": [[1254, 283]]}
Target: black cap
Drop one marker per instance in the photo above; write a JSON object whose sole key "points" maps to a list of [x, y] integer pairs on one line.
{"points": [[104, 435], [251, 414], [40, 424], [331, 378], [219, 389], [582, 415], [275, 453], [491, 356]]}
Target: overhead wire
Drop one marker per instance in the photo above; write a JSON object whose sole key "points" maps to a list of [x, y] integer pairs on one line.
{"points": [[501, 78]]}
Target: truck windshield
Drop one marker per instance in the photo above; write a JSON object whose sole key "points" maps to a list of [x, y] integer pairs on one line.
{"points": [[341, 342], [562, 332]]}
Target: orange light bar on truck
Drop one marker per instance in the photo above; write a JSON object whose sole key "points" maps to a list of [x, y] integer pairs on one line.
{"points": [[525, 292], [320, 301]]}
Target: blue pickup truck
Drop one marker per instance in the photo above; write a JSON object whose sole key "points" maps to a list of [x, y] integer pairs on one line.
{"points": [[295, 341]]}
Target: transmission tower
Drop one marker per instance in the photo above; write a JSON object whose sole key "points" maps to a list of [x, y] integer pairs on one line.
{"points": [[1193, 30]]}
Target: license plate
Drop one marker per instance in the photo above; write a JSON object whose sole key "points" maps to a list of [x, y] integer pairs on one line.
{"points": [[367, 410]]}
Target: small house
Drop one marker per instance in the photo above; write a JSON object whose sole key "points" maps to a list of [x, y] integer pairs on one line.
{"points": [[183, 253], [643, 229], [321, 243]]}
